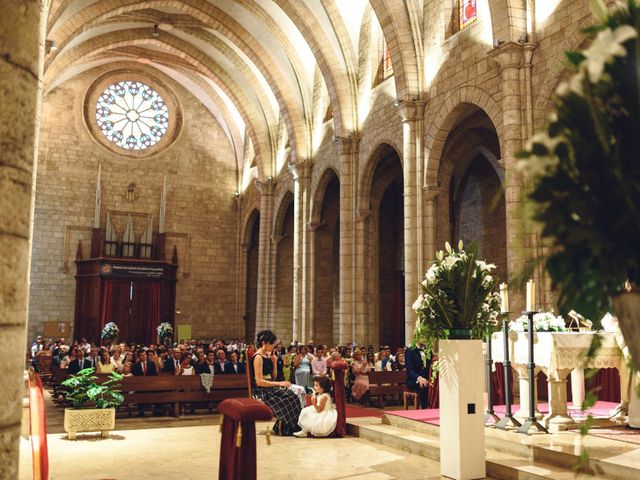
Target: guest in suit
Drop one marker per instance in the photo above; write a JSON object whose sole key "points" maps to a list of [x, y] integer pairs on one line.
{"points": [[209, 365], [221, 362], [171, 364], [144, 367], [80, 363], [417, 364], [93, 357], [233, 366]]}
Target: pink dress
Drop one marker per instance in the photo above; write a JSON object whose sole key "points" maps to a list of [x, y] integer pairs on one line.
{"points": [[361, 383]]}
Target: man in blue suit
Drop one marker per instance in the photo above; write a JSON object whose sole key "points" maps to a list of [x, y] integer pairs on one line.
{"points": [[417, 363]]}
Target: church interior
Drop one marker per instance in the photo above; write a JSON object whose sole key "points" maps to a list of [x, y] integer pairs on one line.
{"points": [[178, 177]]}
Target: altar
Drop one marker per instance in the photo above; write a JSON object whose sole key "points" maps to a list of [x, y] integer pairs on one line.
{"points": [[556, 354]]}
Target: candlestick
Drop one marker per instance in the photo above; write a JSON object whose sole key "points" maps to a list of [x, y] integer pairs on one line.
{"points": [[504, 298], [531, 296]]}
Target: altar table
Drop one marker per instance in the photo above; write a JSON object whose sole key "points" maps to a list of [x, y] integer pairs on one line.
{"points": [[556, 354]]}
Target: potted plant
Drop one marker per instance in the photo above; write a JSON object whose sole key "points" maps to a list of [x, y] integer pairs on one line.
{"points": [[165, 331], [94, 404], [459, 307], [458, 298], [584, 176], [110, 332]]}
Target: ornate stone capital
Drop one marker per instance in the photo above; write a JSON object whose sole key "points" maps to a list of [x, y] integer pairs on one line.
{"points": [[300, 169], [430, 192], [362, 215], [508, 55], [349, 144], [265, 186], [411, 108], [276, 239], [313, 226]]}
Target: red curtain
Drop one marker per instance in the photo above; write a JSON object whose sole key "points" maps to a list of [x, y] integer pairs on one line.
{"points": [[146, 311], [497, 382]]}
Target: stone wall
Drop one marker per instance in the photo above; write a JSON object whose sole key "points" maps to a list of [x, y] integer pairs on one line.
{"points": [[201, 218]]}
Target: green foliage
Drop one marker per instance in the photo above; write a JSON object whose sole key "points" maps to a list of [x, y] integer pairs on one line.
{"points": [[458, 292], [587, 198], [84, 391]]}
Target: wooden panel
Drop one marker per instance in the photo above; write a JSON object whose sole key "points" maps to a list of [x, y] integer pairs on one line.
{"points": [[55, 329], [387, 377]]}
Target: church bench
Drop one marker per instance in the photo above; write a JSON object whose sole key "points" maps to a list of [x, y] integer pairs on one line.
{"points": [[383, 384], [178, 390]]}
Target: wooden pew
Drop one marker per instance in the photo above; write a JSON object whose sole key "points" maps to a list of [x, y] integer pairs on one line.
{"points": [[177, 390], [382, 384]]}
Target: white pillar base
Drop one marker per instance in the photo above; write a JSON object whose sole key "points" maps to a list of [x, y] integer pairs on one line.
{"points": [[462, 450]]}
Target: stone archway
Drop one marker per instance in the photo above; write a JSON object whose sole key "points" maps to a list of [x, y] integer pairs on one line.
{"points": [[326, 293], [252, 249], [385, 250], [284, 238]]}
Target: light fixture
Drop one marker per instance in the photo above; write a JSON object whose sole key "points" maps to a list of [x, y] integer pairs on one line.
{"points": [[236, 194], [50, 46], [155, 33]]}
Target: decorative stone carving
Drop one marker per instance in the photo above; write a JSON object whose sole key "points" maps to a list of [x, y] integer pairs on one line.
{"points": [[89, 420]]}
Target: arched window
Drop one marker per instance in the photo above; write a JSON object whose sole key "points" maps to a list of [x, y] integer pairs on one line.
{"points": [[385, 68]]}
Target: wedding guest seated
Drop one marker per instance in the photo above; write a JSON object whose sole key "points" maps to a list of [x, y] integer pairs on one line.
{"points": [[144, 367], [79, 363], [233, 365], [171, 364], [383, 364], [153, 357], [117, 359], [126, 370], [221, 361], [209, 365], [361, 370], [398, 365], [302, 364], [104, 365], [93, 357], [371, 360], [185, 366], [320, 418], [319, 363]]}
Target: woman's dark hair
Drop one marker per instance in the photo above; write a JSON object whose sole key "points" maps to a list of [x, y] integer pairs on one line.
{"points": [[265, 336], [324, 381]]}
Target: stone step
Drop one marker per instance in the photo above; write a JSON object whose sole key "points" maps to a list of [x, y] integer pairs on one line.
{"points": [[611, 459], [500, 465]]}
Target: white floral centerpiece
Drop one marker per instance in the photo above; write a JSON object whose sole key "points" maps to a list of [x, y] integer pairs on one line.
{"points": [[542, 322], [110, 331], [458, 297], [165, 330]]}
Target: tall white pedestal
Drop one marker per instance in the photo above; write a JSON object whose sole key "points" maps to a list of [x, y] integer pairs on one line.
{"points": [[462, 453]]}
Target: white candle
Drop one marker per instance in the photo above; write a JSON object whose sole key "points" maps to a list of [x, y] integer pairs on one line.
{"points": [[504, 298], [531, 296]]}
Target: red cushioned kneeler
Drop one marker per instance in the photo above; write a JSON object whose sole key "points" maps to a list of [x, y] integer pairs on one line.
{"points": [[339, 367], [239, 463]]}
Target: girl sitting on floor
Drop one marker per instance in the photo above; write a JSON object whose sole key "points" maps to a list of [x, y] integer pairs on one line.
{"points": [[320, 418]]}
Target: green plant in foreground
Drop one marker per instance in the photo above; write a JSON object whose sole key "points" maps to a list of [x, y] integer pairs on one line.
{"points": [[84, 390]]}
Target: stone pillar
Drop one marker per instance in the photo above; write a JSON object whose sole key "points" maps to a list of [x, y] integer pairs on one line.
{"points": [[352, 319], [510, 58], [265, 255], [302, 295], [21, 60], [412, 113]]}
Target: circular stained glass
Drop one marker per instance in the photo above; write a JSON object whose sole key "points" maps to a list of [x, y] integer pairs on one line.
{"points": [[132, 115]]}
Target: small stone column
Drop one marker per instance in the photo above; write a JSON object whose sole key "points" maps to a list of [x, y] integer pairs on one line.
{"points": [[412, 113], [302, 295], [21, 59], [265, 255], [352, 318]]}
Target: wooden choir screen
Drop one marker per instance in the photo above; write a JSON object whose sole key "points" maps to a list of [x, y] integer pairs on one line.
{"points": [[136, 295]]}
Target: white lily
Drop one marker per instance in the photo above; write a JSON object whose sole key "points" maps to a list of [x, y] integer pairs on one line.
{"points": [[608, 44]]}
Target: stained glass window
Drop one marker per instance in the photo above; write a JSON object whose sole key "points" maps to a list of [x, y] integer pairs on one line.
{"points": [[132, 115], [387, 66], [468, 12]]}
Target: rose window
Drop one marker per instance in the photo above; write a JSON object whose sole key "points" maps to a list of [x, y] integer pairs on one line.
{"points": [[132, 115]]}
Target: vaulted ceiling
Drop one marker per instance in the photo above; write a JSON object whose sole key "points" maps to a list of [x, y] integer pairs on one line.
{"points": [[262, 67]]}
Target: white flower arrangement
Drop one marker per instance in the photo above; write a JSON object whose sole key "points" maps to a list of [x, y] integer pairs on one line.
{"points": [[457, 293], [542, 322], [110, 331], [165, 330]]}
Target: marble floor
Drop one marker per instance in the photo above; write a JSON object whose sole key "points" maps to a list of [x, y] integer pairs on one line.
{"points": [[192, 453]]}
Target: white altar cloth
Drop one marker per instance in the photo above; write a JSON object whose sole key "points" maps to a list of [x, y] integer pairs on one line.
{"points": [[556, 354]]}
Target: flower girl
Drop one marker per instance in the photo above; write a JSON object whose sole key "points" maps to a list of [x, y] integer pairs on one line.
{"points": [[320, 418]]}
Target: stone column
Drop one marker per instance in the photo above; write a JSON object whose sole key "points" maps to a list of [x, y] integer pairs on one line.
{"points": [[21, 60], [510, 58], [265, 255], [302, 295], [412, 113], [352, 320]]}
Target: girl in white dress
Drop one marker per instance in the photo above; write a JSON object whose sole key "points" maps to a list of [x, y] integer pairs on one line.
{"points": [[320, 418]]}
